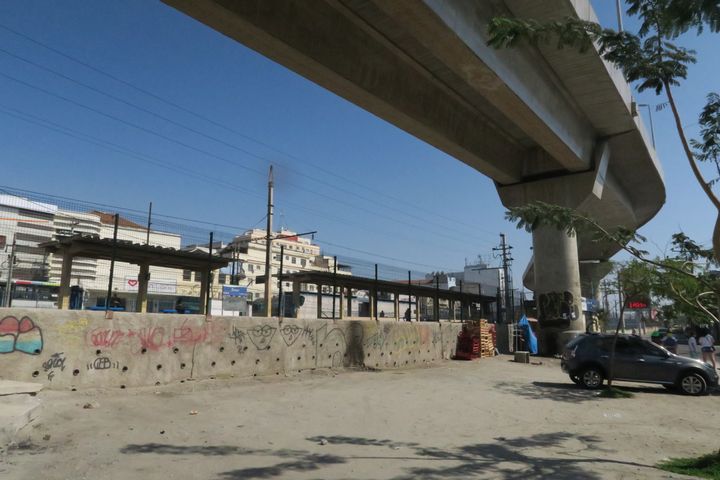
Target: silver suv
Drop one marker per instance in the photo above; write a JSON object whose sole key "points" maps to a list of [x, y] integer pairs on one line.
{"points": [[587, 359]]}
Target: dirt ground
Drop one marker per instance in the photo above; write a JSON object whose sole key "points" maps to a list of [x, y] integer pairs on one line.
{"points": [[483, 419]]}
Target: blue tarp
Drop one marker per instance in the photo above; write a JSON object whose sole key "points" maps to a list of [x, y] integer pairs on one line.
{"points": [[528, 335]]}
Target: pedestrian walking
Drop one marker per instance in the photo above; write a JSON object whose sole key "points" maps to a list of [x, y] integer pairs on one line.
{"points": [[692, 344], [707, 347], [670, 343]]}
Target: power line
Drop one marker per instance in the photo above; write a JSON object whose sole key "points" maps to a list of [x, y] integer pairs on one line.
{"points": [[210, 137], [140, 214], [376, 255], [455, 223], [212, 155], [153, 160]]}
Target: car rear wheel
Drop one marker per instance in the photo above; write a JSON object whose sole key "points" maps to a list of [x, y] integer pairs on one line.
{"points": [[692, 384], [592, 378]]}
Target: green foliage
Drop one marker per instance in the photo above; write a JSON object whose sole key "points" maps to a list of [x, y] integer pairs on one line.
{"points": [[648, 58], [690, 251], [706, 466], [708, 150], [684, 280], [538, 214], [679, 16], [636, 279], [652, 61]]}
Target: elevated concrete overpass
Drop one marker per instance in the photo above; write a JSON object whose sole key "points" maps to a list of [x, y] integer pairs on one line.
{"points": [[545, 124]]}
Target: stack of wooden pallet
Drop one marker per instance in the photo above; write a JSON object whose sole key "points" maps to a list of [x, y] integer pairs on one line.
{"points": [[487, 346], [476, 340]]}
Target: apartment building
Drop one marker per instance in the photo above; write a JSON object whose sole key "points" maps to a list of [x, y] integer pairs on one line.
{"points": [[27, 223]]}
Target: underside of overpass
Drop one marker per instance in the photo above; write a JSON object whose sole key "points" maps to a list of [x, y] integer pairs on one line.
{"points": [[544, 124]]}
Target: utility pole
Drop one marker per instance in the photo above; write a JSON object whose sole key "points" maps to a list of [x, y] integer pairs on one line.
{"points": [[281, 312], [334, 285], [375, 296], [147, 240], [112, 263], [507, 259], [8, 282], [208, 290], [268, 247]]}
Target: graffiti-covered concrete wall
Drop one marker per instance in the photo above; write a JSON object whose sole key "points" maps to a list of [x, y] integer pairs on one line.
{"points": [[74, 349]]}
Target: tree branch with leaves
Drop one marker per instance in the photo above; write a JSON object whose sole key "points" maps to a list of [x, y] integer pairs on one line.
{"points": [[649, 58]]}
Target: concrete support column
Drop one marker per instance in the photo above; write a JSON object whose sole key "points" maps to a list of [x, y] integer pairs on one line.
{"points": [[396, 297], [371, 297], [341, 303], [203, 290], [319, 300], [557, 288], [65, 277], [349, 302], [143, 281], [296, 298], [417, 308]]}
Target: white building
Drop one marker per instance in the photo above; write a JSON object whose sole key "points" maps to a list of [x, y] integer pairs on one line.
{"points": [[163, 285], [27, 223], [248, 249]]}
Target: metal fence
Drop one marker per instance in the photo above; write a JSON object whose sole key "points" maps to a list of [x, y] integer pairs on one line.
{"points": [[29, 219]]}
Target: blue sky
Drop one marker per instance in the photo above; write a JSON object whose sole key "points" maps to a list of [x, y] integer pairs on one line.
{"points": [[350, 174]]}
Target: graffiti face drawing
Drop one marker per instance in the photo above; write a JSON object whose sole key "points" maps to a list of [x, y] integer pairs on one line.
{"points": [[20, 336]]}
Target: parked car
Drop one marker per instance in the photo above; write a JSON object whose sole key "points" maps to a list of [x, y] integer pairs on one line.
{"points": [[586, 359]]}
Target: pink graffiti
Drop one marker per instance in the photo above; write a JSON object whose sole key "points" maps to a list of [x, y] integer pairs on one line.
{"points": [[151, 338], [103, 337], [157, 338], [188, 335]]}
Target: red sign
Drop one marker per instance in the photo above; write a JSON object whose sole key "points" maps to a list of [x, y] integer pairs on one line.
{"points": [[637, 305]]}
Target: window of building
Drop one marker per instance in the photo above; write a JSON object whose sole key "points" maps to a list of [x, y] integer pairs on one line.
{"points": [[223, 278], [187, 275], [293, 260], [198, 276], [303, 262], [251, 267]]}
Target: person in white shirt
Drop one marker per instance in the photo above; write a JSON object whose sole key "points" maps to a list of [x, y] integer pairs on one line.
{"points": [[692, 343], [707, 347]]}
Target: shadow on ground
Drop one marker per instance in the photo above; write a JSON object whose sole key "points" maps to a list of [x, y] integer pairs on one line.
{"points": [[567, 392], [559, 455]]}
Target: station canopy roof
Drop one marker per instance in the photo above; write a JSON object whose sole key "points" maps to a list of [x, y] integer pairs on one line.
{"points": [[402, 288], [92, 246]]}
